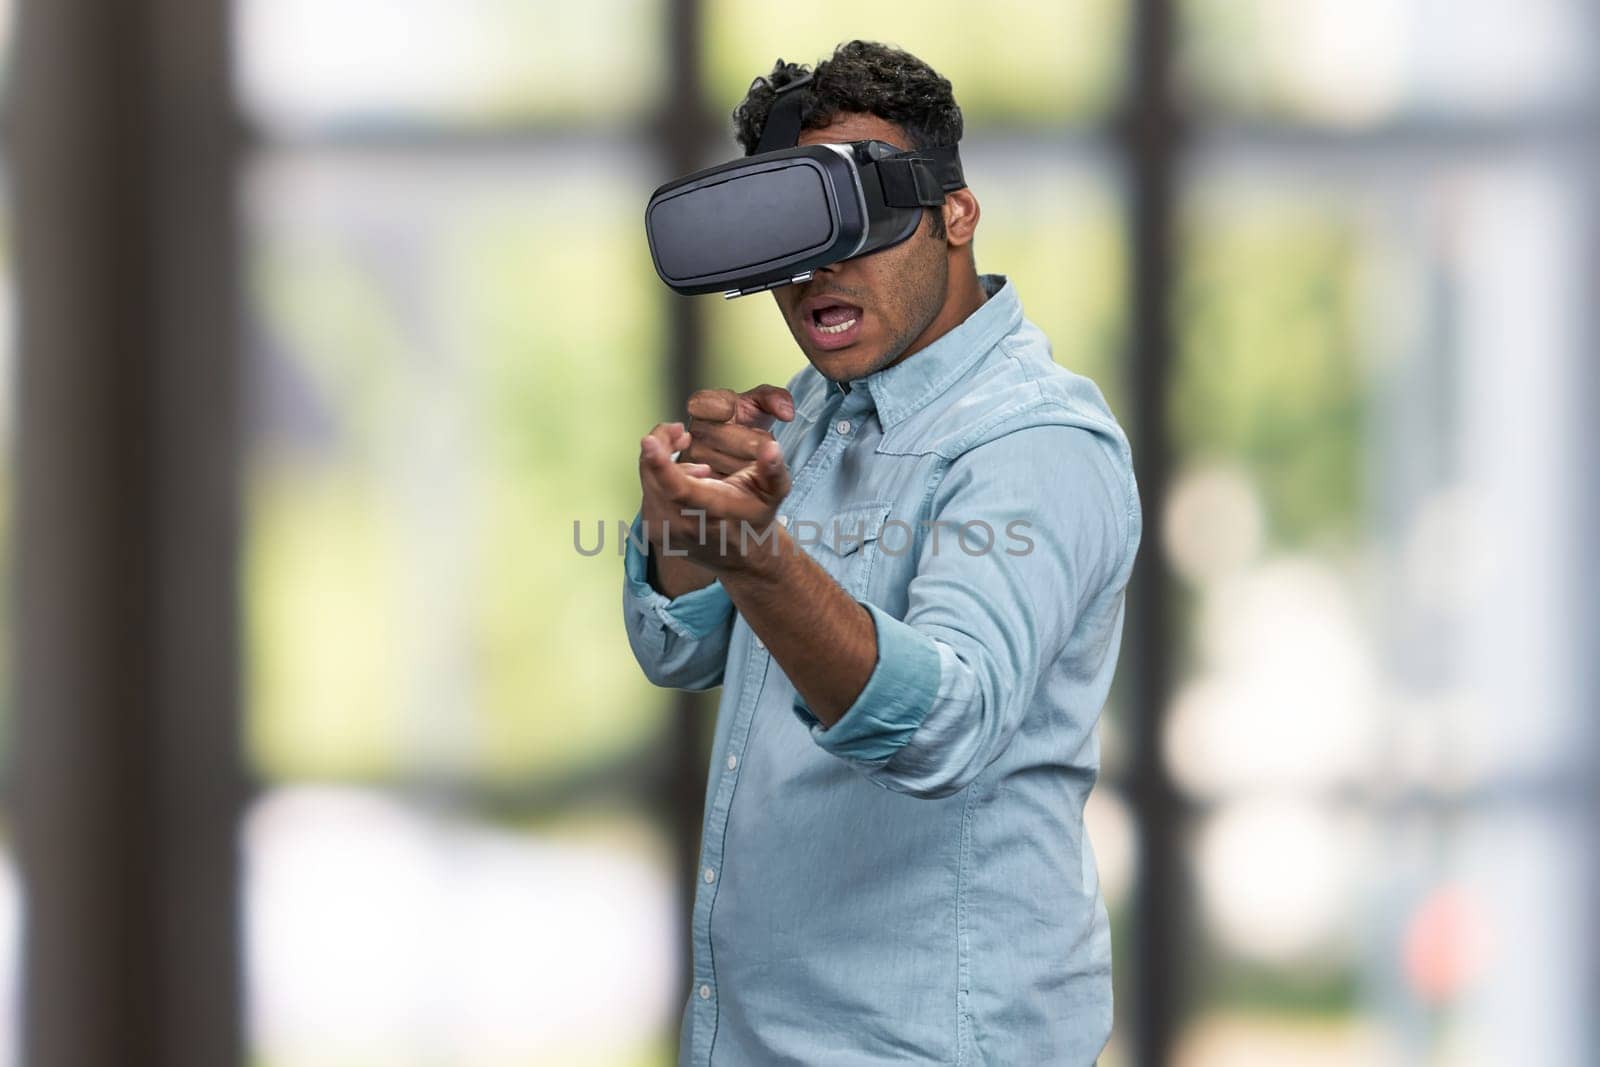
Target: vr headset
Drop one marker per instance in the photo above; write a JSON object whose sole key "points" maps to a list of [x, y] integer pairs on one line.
{"points": [[774, 217]]}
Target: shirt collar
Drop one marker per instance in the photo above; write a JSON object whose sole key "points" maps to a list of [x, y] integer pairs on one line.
{"points": [[909, 385]]}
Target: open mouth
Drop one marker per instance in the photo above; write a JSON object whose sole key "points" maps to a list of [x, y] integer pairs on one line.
{"points": [[834, 320], [832, 323]]}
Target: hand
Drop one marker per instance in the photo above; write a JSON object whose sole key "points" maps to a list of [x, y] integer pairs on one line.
{"points": [[656, 507], [687, 508], [727, 429]]}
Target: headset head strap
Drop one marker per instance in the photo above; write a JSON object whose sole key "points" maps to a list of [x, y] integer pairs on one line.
{"points": [[783, 118]]}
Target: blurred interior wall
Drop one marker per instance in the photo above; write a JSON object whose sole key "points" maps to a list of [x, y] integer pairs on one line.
{"points": [[1151, 132], [126, 757]]}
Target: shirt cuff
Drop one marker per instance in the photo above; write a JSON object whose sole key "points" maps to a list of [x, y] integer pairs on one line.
{"points": [[694, 614], [897, 697]]}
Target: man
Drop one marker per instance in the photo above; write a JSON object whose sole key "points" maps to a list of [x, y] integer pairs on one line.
{"points": [[893, 865]]}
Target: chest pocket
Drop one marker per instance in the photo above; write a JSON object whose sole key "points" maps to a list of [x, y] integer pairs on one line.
{"points": [[847, 546]]}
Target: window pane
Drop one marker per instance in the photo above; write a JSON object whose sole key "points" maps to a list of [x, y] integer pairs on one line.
{"points": [[1359, 62], [386, 934], [456, 359], [1009, 61], [309, 65], [1273, 348], [1377, 420], [1336, 337], [1285, 905], [1051, 221]]}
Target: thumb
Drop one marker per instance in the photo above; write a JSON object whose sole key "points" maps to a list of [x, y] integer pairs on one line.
{"points": [[771, 472]]}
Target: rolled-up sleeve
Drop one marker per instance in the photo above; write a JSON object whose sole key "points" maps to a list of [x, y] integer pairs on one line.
{"points": [[955, 677], [680, 642], [897, 697]]}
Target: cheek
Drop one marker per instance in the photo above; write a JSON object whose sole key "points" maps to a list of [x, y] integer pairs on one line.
{"points": [[911, 284]]}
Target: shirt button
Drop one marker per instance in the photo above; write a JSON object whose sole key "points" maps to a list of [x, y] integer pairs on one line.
{"points": [[762, 645], [705, 992], [733, 761], [783, 520], [711, 875], [843, 426]]}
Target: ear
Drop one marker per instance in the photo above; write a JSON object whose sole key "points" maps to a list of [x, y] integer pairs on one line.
{"points": [[960, 217]]}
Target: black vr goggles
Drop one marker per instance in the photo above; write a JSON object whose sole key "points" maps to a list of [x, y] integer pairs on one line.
{"points": [[775, 216]]}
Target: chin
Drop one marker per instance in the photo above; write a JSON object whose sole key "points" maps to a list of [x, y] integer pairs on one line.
{"points": [[841, 366]]}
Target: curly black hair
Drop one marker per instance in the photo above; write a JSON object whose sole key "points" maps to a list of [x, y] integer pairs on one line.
{"points": [[860, 76]]}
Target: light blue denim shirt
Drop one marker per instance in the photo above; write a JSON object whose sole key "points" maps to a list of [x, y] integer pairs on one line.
{"points": [[913, 884]]}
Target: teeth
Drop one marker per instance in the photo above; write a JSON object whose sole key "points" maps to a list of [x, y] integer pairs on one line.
{"points": [[841, 328]]}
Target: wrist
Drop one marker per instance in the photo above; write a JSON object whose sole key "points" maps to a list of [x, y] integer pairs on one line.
{"points": [[763, 564], [673, 576]]}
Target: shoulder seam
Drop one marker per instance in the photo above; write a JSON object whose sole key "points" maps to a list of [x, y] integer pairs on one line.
{"points": [[1096, 427]]}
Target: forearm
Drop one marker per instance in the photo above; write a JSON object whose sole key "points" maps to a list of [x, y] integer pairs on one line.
{"points": [[673, 575], [822, 638]]}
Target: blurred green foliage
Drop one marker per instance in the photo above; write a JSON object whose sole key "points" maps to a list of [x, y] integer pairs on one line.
{"points": [[558, 366], [1269, 369]]}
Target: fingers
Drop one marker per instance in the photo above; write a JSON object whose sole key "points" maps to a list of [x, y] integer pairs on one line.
{"points": [[696, 485], [713, 405], [770, 401], [658, 472], [754, 407], [726, 446], [655, 453], [692, 505], [685, 493], [740, 481], [719, 462], [671, 435]]}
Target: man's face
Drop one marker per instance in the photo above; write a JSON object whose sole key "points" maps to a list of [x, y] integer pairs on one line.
{"points": [[860, 315]]}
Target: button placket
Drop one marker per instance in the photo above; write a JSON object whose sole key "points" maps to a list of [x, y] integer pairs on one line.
{"points": [[717, 815]]}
